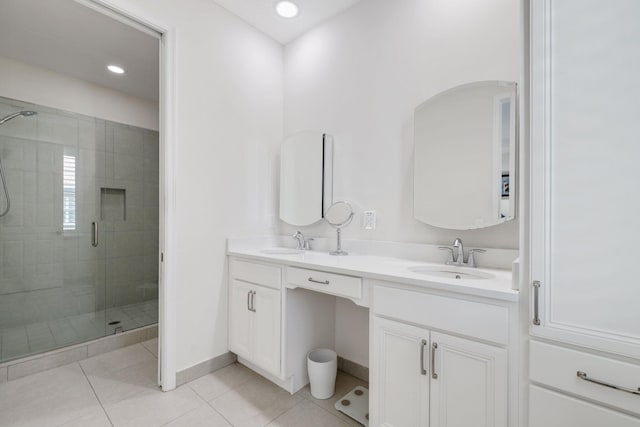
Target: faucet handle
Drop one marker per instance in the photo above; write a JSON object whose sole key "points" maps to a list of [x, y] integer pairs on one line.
{"points": [[450, 249], [307, 243], [472, 262]]}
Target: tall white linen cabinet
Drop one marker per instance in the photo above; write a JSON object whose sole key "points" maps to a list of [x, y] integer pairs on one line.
{"points": [[585, 213]]}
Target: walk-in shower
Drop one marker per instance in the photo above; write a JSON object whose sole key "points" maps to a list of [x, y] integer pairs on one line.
{"points": [[65, 177], [7, 198]]}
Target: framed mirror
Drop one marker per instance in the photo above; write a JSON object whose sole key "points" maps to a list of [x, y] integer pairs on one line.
{"points": [[465, 156], [306, 177]]}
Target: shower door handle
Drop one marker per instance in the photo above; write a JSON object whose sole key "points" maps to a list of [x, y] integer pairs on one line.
{"points": [[94, 234]]}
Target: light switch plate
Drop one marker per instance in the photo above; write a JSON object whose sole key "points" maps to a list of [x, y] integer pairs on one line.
{"points": [[369, 220]]}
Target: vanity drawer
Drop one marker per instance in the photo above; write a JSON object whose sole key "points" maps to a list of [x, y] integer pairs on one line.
{"points": [[557, 367], [551, 409], [330, 283], [482, 321], [258, 274]]}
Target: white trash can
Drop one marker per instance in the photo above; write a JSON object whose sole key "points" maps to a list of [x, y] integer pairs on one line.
{"points": [[322, 365]]}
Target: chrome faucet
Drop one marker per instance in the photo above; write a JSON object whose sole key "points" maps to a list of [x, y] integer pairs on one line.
{"points": [[456, 254], [459, 259], [302, 243]]}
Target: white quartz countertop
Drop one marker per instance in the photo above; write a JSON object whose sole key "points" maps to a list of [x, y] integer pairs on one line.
{"points": [[390, 269]]}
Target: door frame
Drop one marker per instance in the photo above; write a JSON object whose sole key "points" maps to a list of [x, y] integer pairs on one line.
{"points": [[132, 15]]}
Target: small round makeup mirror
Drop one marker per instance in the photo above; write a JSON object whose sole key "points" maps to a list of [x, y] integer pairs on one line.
{"points": [[339, 215]]}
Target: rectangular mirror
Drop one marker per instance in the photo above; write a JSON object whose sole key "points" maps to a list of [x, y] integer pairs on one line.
{"points": [[465, 156], [306, 177]]}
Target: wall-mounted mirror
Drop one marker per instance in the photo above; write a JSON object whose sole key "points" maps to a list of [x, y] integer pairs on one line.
{"points": [[306, 177], [465, 156]]}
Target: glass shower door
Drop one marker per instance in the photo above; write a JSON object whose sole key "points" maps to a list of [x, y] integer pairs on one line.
{"points": [[50, 273]]}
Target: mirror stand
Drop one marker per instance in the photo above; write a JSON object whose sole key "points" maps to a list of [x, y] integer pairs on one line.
{"points": [[339, 251], [339, 215]]}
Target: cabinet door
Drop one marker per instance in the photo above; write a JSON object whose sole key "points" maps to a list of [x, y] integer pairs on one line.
{"points": [[468, 384], [585, 198], [266, 329], [240, 318], [399, 375]]}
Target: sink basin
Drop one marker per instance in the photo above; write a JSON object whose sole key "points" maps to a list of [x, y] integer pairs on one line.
{"points": [[281, 251], [451, 272]]}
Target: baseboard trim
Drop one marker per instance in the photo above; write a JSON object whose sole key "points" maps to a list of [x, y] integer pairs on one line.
{"points": [[354, 369], [203, 368], [18, 368]]}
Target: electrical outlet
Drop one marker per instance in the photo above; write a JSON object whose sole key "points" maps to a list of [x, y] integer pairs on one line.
{"points": [[369, 220]]}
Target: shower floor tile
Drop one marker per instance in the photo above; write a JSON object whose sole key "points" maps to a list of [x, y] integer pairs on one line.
{"points": [[44, 336]]}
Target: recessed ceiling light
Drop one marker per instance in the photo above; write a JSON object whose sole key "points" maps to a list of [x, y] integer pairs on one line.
{"points": [[287, 9], [115, 69]]}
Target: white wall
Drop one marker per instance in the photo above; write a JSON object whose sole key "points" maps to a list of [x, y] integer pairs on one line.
{"points": [[359, 76], [40, 86], [229, 127]]}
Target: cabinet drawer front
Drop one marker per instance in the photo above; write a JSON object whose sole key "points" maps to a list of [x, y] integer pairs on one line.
{"points": [[335, 284], [551, 409], [557, 367], [482, 321], [259, 274]]}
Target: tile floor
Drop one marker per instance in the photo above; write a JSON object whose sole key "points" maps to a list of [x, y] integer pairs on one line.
{"points": [[21, 341], [119, 389]]}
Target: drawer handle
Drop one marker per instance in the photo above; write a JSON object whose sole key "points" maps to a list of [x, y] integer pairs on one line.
{"points": [[325, 282], [583, 376]]}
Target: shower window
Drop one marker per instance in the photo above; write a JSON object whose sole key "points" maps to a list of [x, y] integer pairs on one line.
{"points": [[69, 193]]}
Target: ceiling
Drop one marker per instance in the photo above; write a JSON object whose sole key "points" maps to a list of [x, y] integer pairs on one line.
{"points": [[72, 39], [261, 14]]}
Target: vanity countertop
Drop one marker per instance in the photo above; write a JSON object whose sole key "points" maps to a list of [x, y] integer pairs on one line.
{"points": [[390, 269]]}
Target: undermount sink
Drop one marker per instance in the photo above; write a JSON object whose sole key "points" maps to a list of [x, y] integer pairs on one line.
{"points": [[281, 251], [451, 272]]}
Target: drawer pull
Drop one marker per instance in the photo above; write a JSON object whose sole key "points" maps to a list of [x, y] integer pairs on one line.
{"points": [[583, 376], [324, 282]]}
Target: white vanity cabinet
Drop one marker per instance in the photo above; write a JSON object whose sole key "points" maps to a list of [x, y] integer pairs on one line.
{"points": [[422, 377], [584, 212], [255, 314]]}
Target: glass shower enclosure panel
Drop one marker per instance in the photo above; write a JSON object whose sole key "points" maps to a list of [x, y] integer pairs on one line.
{"points": [[129, 224], [52, 274]]}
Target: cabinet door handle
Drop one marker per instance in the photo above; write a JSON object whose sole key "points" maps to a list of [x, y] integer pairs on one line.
{"points": [[253, 307], [434, 347], [536, 302], [583, 376], [94, 234], [249, 300], [323, 282], [423, 371]]}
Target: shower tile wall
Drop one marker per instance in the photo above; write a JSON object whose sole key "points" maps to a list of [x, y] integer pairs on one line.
{"points": [[55, 288]]}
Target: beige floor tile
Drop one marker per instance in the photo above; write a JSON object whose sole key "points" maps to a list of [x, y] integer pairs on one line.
{"points": [[153, 408], [253, 404], [49, 398], [114, 386], [221, 381], [203, 416], [117, 360], [152, 346], [96, 418], [308, 415], [344, 384]]}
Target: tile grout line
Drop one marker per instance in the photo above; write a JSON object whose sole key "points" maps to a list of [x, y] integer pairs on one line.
{"points": [[217, 412], [95, 394]]}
